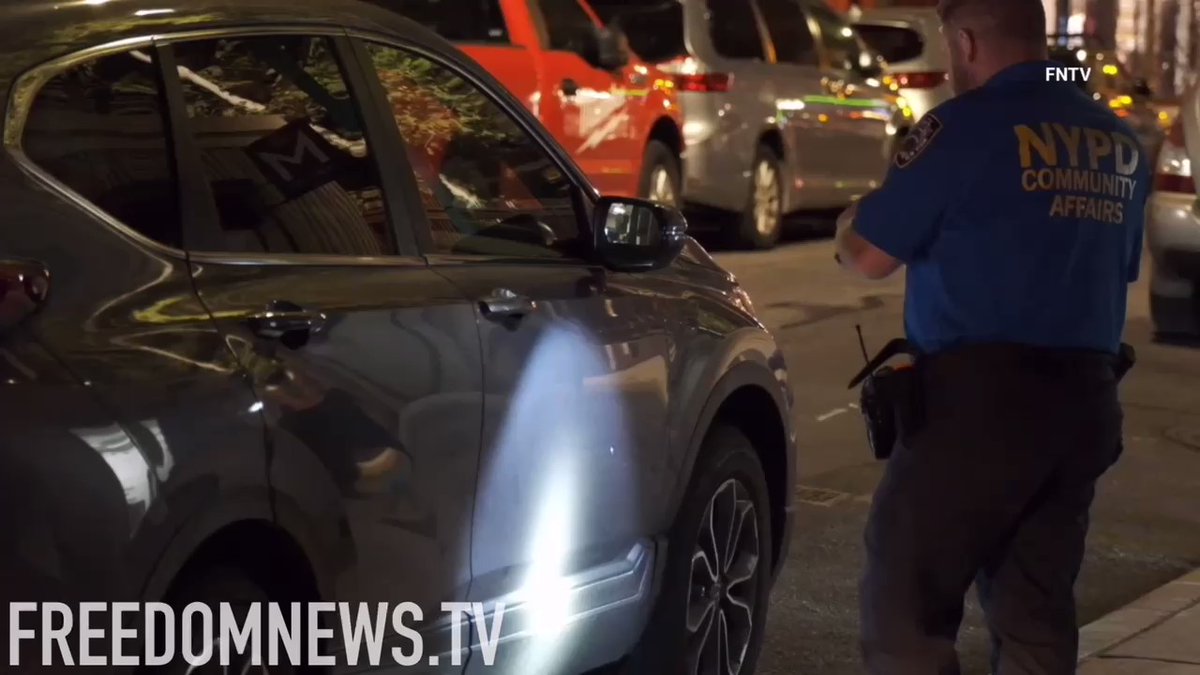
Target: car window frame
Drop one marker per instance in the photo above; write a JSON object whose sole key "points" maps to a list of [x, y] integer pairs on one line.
{"points": [[810, 10], [22, 96], [766, 43], [772, 49], [542, 26], [380, 143], [584, 194]]}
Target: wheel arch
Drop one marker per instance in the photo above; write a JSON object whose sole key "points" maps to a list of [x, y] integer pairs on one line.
{"points": [[749, 398], [666, 131]]}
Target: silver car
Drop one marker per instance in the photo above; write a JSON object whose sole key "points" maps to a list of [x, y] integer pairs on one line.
{"points": [[784, 107], [1173, 227], [909, 39]]}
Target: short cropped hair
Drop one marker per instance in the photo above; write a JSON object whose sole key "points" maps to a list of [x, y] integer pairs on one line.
{"points": [[1017, 21]]}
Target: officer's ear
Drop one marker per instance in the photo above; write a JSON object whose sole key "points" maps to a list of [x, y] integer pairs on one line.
{"points": [[967, 45]]}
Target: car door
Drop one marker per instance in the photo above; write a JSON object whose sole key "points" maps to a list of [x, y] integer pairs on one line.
{"points": [[593, 119], [366, 363], [575, 373], [863, 120], [803, 112]]}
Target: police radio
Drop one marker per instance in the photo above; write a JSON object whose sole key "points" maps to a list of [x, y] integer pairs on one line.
{"points": [[889, 398]]}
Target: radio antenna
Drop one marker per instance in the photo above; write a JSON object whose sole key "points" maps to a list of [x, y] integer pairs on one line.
{"points": [[862, 344]]}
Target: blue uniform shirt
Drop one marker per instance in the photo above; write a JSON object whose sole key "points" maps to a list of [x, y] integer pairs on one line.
{"points": [[1018, 208]]}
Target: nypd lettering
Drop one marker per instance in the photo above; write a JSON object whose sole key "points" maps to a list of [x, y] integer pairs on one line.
{"points": [[1090, 171], [918, 139]]}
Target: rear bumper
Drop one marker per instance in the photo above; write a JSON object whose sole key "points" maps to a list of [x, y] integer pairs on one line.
{"points": [[1173, 239]]}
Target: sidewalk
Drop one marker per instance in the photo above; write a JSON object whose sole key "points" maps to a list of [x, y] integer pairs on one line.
{"points": [[1156, 635]]}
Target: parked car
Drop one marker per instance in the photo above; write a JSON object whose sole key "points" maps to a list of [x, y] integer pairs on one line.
{"points": [[617, 116], [1173, 227], [298, 303], [909, 39], [784, 108]]}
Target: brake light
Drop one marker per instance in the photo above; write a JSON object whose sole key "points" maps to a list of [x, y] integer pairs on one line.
{"points": [[1174, 171], [927, 80], [704, 83]]}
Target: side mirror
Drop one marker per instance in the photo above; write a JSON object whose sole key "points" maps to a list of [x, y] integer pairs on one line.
{"points": [[634, 234], [24, 287], [608, 50]]}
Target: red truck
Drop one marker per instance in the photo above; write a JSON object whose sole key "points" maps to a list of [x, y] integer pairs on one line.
{"points": [[617, 116]]}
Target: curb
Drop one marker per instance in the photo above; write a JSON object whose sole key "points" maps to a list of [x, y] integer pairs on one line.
{"points": [[1139, 616]]}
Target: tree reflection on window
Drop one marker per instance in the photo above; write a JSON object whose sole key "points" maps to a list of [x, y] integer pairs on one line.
{"points": [[487, 186]]}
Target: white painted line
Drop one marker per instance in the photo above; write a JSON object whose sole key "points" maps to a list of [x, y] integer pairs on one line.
{"points": [[831, 414], [853, 405]]}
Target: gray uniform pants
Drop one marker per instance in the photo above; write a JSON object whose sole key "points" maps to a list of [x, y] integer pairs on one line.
{"points": [[994, 488]]}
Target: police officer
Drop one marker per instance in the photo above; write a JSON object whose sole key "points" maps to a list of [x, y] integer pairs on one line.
{"points": [[1017, 208]]}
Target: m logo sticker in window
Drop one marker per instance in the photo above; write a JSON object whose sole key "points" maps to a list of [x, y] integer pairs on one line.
{"points": [[297, 159]]}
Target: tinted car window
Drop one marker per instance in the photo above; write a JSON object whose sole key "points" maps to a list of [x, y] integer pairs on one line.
{"points": [[283, 148], [839, 41], [734, 29], [655, 31], [456, 20], [568, 26], [893, 43], [487, 186], [99, 129], [788, 28]]}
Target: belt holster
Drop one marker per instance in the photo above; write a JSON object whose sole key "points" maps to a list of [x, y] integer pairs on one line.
{"points": [[890, 399]]}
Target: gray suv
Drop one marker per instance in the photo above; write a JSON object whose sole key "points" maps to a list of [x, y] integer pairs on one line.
{"points": [[297, 303], [784, 107]]}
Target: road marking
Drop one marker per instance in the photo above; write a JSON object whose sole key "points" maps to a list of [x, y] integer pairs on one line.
{"points": [[831, 414], [853, 405]]}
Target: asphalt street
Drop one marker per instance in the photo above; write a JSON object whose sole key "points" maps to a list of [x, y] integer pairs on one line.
{"points": [[1146, 518]]}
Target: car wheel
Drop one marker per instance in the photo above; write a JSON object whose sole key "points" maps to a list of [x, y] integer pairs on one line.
{"points": [[712, 610], [761, 223], [213, 586], [660, 180]]}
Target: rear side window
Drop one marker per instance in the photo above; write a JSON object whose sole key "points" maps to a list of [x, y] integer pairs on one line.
{"points": [[733, 26], [843, 48], [456, 20], [894, 43], [655, 31], [568, 26], [788, 28], [99, 129], [283, 147]]}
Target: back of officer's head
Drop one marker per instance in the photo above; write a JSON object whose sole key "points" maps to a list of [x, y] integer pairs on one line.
{"points": [[987, 36]]}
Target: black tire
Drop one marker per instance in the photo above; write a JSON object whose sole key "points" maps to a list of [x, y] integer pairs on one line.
{"points": [[747, 232], [660, 158], [212, 587], [727, 455]]}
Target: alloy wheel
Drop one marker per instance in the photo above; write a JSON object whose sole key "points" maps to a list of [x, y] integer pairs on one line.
{"points": [[662, 188], [766, 198], [723, 587]]}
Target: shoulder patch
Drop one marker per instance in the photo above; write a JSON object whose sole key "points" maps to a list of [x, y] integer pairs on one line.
{"points": [[918, 139]]}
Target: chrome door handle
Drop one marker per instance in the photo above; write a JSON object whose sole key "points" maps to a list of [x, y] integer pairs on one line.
{"points": [[281, 319], [503, 303]]}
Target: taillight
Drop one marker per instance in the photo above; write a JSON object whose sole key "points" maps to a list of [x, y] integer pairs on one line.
{"points": [[704, 83], [921, 80], [1174, 171]]}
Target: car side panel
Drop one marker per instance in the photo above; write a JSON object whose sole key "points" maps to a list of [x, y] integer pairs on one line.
{"points": [[173, 421]]}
